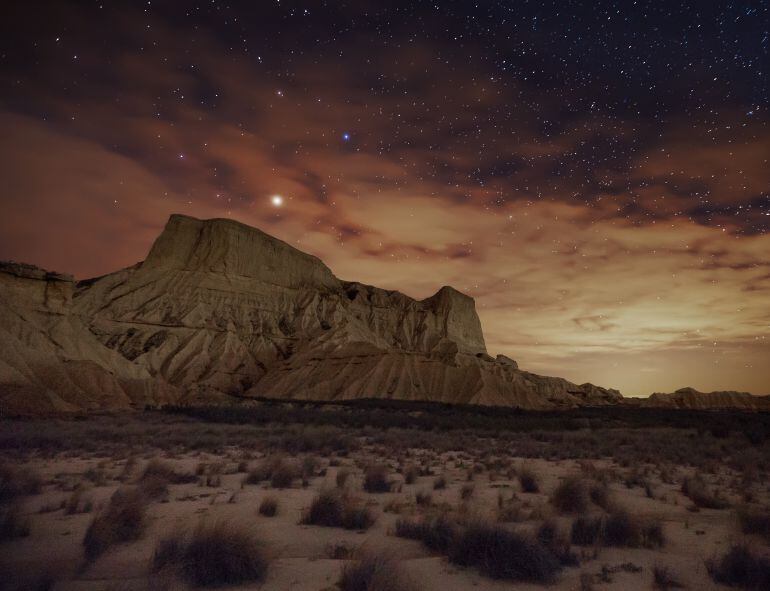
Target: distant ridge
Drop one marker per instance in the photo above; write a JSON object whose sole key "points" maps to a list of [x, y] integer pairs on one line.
{"points": [[220, 312], [691, 398]]}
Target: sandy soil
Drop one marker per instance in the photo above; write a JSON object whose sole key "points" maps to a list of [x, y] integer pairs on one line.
{"points": [[301, 554]]}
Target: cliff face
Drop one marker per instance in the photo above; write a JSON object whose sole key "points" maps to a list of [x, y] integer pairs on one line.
{"points": [[221, 310], [50, 361]]}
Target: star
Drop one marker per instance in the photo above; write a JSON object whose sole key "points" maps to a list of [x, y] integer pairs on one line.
{"points": [[276, 200]]}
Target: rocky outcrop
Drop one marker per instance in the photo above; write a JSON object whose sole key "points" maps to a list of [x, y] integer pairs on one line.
{"points": [[690, 398], [221, 310], [50, 361]]}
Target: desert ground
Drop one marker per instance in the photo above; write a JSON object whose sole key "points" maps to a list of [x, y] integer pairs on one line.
{"points": [[355, 497]]}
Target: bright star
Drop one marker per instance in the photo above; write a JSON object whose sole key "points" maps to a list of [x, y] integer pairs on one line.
{"points": [[276, 200], [346, 136]]}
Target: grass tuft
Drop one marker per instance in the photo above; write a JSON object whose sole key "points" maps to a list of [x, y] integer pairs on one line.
{"points": [[529, 481], [213, 556], [123, 520], [373, 573], [664, 578], [376, 479], [269, 507], [502, 554], [571, 496], [331, 508], [740, 567]]}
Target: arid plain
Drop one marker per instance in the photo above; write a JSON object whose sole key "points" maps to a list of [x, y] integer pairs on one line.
{"points": [[386, 496]]}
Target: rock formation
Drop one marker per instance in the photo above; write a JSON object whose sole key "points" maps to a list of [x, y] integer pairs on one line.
{"points": [[220, 310], [692, 399]]}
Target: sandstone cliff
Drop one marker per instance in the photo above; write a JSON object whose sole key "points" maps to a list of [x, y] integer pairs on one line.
{"points": [[221, 310]]}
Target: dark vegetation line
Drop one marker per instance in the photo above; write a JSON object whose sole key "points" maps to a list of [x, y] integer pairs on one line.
{"points": [[446, 417]]}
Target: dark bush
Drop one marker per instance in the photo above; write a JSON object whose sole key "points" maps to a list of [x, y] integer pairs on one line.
{"points": [[740, 567], [12, 523], [372, 573], [502, 554], [570, 496], [213, 556], [529, 480], [283, 475], [333, 509], [437, 533], [663, 578], [698, 492], [439, 483], [376, 479], [278, 471], [755, 521], [599, 494], [621, 530], [423, 498], [16, 482], [550, 536], [617, 529], [268, 507], [123, 520], [342, 477], [587, 531]]}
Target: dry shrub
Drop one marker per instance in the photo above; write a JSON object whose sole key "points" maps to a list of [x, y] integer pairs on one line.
{"points": [[123, 520], [373, 573], [528, 479], [495, 551], [466, 492], [331, 508], [623, 530], [339, 551], [439, 483], [754, 520], [376, 479], [310, 465], [618, 529], [423, 498], [13, 578], [511, 511], [740, 567], [283, 476], [550, 535], [436, 533], [342, 477], [156, 477], [502, 554], [587, 531], [276, 469], [17, 481], [696, 489], [599, 493], [76, 503], [268, 507], [664, 578], [213, 556], [12, 523], [158, 469], [410, 475], [571, 496]]}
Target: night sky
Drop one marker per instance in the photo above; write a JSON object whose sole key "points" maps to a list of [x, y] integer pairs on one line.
{"points": [[595, 174]]}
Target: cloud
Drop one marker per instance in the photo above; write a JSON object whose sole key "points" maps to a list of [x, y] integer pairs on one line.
{"points": [[596, 246]]}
